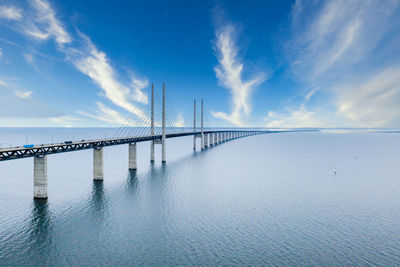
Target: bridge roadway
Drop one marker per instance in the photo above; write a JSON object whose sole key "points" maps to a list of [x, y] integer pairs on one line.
{"points": [[47, 149]]}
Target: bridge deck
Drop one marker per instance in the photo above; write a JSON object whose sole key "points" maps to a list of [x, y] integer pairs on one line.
{"points": [[37, 150]]}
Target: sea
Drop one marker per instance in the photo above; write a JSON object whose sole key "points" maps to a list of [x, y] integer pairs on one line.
{"points": [[329, 197]]}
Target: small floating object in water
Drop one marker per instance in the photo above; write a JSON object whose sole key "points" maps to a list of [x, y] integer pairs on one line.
{"points": [[334, 171]]}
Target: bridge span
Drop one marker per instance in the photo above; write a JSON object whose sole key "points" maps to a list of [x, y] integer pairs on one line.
{"points": [[209, 137]]}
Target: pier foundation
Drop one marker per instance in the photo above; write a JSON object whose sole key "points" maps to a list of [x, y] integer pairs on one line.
{"points": [[40, 177], [98, 164]]}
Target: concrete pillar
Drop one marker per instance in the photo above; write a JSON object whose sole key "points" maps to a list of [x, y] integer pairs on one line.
{"points": [[132, 156], [98, 163], [163, 151], [40, 177], [206, 140], [202, 126], [211, 139], [152, 125]]}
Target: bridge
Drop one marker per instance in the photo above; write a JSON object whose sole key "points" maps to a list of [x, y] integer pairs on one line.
{"points": [[208, 138]]}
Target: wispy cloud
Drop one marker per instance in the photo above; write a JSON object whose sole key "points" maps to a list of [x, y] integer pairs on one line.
{"points": [[65, 120], [44, 24], [95, 64], [138, 85], [10, 12], [107, 114], [374, 102], [180, 122], [349, 51], [3, 83], [230, 74], [23, 94]]}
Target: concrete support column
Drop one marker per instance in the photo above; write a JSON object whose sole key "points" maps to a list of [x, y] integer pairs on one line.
{"points": [[152, 125], [202, 126], [40, 177], [211, 139], [132, 156], [206, 140], [98, 163], [163, 149]]}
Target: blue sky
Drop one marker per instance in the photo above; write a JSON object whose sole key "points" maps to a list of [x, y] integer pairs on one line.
{"points": [[255, 63]]}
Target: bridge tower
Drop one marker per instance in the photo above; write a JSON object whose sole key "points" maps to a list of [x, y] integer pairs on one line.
{"points": [[152, 125], [163, 151], [202, 126]]}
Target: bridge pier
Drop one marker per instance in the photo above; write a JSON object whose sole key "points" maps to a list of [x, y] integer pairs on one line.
{"points": [[98, 164], [132, 156], [40, 177], [205, 140], [211, 139]]}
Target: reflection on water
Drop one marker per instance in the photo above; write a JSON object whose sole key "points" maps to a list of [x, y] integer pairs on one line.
{"points": [[98, 201], [268, 200], [40, 227]]}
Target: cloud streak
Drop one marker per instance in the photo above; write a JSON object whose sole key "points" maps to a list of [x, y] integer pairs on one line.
{"points": [[23, 94], [43, 24], [229, 72], [346, 51], [10, 13]]}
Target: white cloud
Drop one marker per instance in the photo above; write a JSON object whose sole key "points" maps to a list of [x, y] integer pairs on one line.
{"points": [[295, 118], [229, 73], [29, 57], [349, 51], [109, 115], [46, 24], [65, 120], [374, 102], [138, 85], [94, 63], [3, 83], [43, 24], [180, 122], [10, 12], [23, 94]]}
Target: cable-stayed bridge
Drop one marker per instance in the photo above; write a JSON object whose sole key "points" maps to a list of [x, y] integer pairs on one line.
{"points": [[155, 128]]}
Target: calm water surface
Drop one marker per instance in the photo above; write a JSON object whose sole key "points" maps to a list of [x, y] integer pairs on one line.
{"points": [[263, 200]]}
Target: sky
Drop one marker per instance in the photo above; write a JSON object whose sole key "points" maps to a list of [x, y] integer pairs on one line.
{"points": [[273, 63]]}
